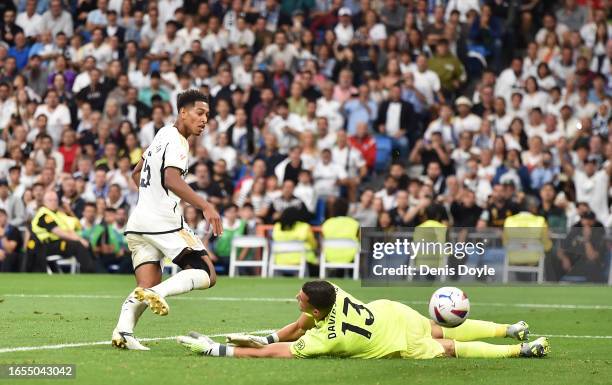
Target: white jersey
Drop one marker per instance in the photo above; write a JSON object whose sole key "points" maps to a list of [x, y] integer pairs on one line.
{"points": [[158, 210]]}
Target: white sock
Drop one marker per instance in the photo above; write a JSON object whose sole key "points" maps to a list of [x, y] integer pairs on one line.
{"points": [[221, 350], [182, 282], [131, 310]]}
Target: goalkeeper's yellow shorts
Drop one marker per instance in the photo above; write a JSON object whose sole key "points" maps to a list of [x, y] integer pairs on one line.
{"points": [[419, 343]]}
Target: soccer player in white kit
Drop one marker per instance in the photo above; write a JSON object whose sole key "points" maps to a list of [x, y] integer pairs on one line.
{"points": [[156, 228]]}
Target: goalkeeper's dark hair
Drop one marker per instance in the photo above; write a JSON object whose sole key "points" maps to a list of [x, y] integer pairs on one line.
{"points": [[321, 294], [188, 98]]}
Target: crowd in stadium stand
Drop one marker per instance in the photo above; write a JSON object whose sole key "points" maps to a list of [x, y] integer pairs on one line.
{"points": [[389, 107]]}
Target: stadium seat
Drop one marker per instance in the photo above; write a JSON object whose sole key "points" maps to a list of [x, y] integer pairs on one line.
{"points": [[60, 262], [279, 247], [537, 268], [339, 244], [383, 153], [250, 242]]}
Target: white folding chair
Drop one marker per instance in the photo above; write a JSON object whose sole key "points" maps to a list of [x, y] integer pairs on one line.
{"points": [[340, 243], [280, 247], [60, 262], [249, 242], [532, 245]]}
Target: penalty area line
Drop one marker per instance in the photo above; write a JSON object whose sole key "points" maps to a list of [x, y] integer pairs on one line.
{"points": [[80, 344]]}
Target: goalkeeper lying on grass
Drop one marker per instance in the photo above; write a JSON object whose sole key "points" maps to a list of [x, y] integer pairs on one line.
{"points": [[334, 323]]}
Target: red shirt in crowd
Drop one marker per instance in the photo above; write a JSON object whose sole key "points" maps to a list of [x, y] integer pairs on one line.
{"points": [[70, 154], [367, 146]]}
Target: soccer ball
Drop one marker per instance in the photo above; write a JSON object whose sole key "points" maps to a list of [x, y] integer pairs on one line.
{"points": [[449, 306]]}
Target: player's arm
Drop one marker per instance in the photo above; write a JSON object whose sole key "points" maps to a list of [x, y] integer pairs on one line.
{"points": [[278, 350], [289, 333], [174, 182], [136, 173], [295, 330]]}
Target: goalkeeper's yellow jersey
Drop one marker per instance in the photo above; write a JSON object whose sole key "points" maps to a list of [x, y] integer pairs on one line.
{"points": [[355, 329]]}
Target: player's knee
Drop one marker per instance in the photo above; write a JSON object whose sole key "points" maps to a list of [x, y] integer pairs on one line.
{"points": [[197, 259]]}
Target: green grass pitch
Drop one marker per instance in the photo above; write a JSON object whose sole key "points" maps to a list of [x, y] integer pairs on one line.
{"points": [[64, 309]]}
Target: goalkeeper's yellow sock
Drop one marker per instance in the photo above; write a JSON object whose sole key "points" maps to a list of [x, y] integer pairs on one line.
{"points": [[472, 330], [477, 349]]}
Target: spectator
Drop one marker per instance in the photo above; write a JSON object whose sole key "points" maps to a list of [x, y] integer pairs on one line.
{"points": [[582, 251], [396, 119], [290, 168], [572, 15], [449, 69], [360, 108], [274, 205], [20, 51], [592, 185], [58, 115], [109, 245], [555, 215], [29, 20], [290, 227], [10, 29], [328, 176], [11, 242], [233, 226], [53, 235], [205, 187]]}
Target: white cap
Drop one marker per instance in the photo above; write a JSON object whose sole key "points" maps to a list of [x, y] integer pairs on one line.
{"points": [[345, 11], [463, 100]]}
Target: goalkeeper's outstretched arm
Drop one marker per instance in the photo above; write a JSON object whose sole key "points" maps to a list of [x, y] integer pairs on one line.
{"points": [[277, 350], [295, 330], [289, 333]]}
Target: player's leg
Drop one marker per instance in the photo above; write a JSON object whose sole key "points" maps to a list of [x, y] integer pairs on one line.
{"points": [[472, 330], [147, 272], [477, 349], [197, 272]]}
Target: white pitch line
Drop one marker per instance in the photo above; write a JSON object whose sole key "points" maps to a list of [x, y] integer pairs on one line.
{"points": [[273, 299], [79, 344], [574, 336]]}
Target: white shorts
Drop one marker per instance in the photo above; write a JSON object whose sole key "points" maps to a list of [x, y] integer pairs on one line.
{"points": [[153, 248]]}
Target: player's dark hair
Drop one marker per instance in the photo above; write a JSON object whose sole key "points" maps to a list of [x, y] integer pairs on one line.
{"points": [[189, 97], [321, 294]]}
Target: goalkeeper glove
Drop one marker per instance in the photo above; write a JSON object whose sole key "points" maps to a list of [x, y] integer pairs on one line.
{"points": [[251, 341]]}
